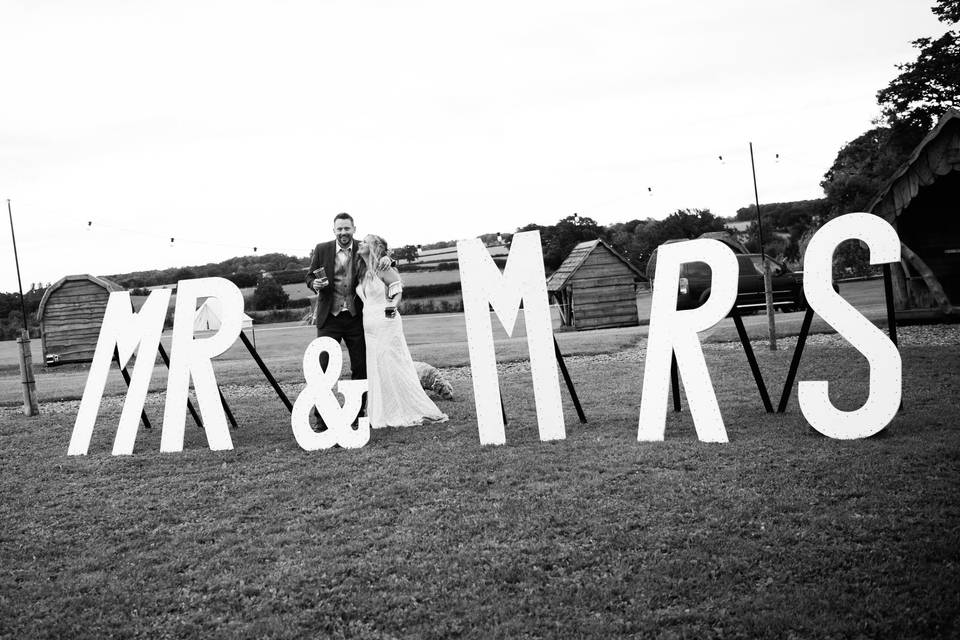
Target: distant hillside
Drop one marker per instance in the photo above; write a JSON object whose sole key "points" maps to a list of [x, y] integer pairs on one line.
{"points": [[788, 215], [242, 270]]}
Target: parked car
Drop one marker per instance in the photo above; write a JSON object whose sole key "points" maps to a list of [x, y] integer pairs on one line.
{"points": [[695, 279]]}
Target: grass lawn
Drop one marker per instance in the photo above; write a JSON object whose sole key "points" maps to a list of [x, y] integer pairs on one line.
{"points": [[424, 533], [439, 339]]}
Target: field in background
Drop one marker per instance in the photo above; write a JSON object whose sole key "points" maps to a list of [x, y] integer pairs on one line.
{"points": [[298, 290], [864, 295], [437, 339]]}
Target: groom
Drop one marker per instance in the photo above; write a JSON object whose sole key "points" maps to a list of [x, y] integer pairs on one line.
{"points": [[339, 309]]}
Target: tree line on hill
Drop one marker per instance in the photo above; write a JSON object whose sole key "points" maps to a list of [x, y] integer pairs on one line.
{"points": [[268, 273], [11, 318], [243, 271], [635, 239]]}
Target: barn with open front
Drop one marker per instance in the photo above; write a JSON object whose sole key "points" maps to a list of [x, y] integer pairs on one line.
{"points": [[920, 201]]}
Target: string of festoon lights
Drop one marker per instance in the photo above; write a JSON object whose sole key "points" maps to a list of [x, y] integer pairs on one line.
{"points": [[172, 240], [656, 189], [176, 239], [776, 157]]}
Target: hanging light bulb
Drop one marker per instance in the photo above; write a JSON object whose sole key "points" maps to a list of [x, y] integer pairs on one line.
{"points": [[499, 238], [649, 191], [171, 242], [721, 160], [89, 224], [778, 157], [254, 249], [419, 249]]}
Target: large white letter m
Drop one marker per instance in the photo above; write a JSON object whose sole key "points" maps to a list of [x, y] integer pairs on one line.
{"points": [[125, 331], [522, 280]]}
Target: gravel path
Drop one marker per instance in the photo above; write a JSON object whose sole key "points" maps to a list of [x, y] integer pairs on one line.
{"points": [[925, 335]]}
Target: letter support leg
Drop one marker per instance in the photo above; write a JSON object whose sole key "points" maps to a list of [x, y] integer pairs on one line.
{"points": [[891, 312], [266, 372], [795, 362], [193, 412], [126, 378], [570, 387], [752, 359], [675, 382]]}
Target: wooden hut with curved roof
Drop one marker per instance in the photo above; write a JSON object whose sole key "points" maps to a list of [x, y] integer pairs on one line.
{"points": [[70, 316], [596, 287], [921, 201]]}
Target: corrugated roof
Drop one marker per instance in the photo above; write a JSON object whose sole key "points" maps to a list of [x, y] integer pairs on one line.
{"points": [[902, 186], [107, 284]]}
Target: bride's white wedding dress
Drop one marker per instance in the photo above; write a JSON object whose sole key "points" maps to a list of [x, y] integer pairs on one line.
{"points": [[395, 397]]}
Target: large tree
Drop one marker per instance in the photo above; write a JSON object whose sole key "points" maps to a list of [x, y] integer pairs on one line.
{"points": [[647, 235], [269, 294], [861, 168], [407, 252], [929, 85], [864, 164], [911, 104], [926, 87], [948, 11], [794, 218], [559, 239]]}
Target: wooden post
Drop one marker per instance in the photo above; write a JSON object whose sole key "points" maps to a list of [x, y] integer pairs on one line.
{"points": [[30, 406], [767, 281]]}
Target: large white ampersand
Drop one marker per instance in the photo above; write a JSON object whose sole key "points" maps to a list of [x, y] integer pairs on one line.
{"points": [[319, 394]]}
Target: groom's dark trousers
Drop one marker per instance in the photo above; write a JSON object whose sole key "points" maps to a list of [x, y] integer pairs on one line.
{"points": [[344, 325], [348, 328]]}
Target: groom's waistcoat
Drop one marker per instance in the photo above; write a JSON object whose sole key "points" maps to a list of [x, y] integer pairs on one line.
{"points": [[344, 289], [343, 285]]}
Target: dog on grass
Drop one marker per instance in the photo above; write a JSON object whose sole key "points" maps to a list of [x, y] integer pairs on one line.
{"points": [[432, 380]]}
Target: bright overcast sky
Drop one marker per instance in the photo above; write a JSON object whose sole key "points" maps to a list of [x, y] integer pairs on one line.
{"points": [[241, 124]]}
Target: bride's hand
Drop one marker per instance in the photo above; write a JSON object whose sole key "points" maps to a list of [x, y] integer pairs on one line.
{"points": [[384, 263]]}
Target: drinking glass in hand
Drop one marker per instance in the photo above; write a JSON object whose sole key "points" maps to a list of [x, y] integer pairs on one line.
{"points": [[321, 278]]}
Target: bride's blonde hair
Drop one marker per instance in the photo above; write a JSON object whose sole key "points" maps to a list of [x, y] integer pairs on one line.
{"points": [[378, 249]]}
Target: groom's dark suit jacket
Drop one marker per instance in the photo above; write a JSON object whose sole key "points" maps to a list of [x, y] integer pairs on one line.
{"points": [[325, 255]]}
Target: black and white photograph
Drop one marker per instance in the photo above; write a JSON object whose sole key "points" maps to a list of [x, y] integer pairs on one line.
{"points": [[528, 319]]}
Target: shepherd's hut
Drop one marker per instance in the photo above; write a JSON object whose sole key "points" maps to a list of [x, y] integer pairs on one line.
{"points": [[70, 315], [920, 201], [596, 287]]}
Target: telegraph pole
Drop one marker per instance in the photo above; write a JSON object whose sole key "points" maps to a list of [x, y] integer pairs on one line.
{"points": [[30, 406], [767, 281]]}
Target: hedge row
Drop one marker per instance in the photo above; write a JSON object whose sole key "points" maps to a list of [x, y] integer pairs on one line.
{"points": [[431, 290], [413, 307]]}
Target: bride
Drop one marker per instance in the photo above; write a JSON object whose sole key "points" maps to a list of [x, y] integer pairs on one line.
{"points": [[395, 397]]}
